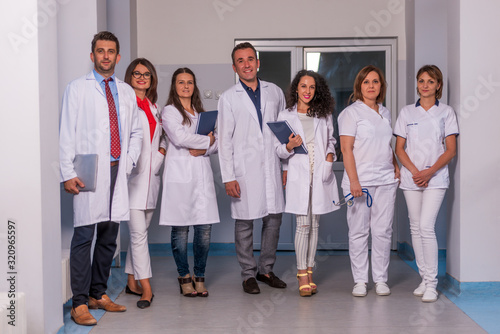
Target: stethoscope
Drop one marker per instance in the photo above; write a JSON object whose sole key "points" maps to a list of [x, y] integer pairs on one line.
{"points": [[349, 199]]}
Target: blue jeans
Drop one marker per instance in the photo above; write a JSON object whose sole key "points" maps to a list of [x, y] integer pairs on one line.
{"points": [[201, 245]]}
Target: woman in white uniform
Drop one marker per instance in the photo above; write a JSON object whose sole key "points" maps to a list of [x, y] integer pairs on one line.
{"points": [[188, 197], [365, 140], [311, 187], [144, 181], [429, 129]]}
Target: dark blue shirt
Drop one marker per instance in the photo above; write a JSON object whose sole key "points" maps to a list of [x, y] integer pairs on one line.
{"points": [[255, 97]]}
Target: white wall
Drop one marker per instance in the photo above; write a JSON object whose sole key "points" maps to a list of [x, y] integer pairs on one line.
{"points": [[30, 186], [427, 39], [203, 32], [473, 60]]}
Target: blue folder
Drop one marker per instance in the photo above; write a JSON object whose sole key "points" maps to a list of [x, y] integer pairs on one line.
{"points": [[206, 122], [282, 130]]}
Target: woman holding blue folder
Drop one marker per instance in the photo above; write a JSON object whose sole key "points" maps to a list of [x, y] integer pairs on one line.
{"points": [[311, 186], [188, 197]]}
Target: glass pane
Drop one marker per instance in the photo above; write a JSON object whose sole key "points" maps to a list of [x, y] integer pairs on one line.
{"points": [[275, 67], [339, 70]]}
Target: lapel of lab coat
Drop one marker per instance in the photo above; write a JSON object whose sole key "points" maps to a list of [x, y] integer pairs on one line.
{"points": [[249, 106], [297, 124], [91, 76], [123, 109]]}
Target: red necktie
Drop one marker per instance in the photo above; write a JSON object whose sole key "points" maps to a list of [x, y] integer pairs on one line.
{"points": [[113, 122]]}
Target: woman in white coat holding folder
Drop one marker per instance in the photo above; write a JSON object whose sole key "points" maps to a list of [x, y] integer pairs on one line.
{"points": [[311, 186], [188, 197], [144, 181]]}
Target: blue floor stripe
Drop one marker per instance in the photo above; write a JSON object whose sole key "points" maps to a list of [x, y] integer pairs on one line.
{"points": [[479, 300]]}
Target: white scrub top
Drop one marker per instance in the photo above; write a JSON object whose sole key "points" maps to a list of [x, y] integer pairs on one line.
{"points": [[372, 150], [425, 133]]}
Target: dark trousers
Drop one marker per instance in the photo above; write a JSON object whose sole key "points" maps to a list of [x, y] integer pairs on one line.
{"points": [[91, 277], [243, 240]]}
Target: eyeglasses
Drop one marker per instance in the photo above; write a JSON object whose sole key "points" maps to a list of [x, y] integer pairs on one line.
{"points": [[138, 75]]}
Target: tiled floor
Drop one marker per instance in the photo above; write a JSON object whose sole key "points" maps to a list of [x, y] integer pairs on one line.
{"points": [[333, 310]]}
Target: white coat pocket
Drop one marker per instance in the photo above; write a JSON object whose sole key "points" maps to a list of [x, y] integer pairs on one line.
{"points": [[158, 159], [130, 165], [239, 165], [178, 169], [327, 171]]}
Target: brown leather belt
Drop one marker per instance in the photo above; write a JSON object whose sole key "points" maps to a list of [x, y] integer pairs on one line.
{"points": [[114, 163]]}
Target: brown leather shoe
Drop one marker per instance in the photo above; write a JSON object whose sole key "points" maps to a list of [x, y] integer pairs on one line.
{"points": [[82, 316], [105, 304]]}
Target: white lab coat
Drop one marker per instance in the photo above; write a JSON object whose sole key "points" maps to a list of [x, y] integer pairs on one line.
{"points": [[84, 129], [144, 181], [247, 154], [324, 183], [188, 196]]}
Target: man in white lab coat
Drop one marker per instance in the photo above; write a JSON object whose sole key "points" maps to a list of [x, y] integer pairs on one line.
{"points": [[250, 167], [99, 116]]}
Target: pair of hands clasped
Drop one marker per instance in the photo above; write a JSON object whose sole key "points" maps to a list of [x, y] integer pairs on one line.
{"points": [[196, 153]]}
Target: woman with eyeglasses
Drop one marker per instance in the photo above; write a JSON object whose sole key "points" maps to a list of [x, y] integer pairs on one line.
{"points": [[371, 167], [429, 130], [311, 187], [144, 181], [188, 197]]}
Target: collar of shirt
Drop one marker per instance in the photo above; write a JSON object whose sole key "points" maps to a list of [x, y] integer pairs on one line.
{"points": [[248, 89], [418, 103]]}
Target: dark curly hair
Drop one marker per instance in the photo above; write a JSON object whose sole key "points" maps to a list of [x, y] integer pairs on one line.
{"points": [[322, 103]]}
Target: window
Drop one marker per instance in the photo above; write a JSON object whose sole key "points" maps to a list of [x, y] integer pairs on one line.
{"points": [[337, 60]]}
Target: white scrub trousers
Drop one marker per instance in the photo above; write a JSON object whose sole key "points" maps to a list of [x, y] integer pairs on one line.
{"points": [[138, 262], [423, 207], [378, 220]]}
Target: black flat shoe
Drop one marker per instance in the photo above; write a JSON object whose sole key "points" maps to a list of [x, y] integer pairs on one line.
{"points": [[145, 303], [273, 280], [250, 286], [130, 292]]}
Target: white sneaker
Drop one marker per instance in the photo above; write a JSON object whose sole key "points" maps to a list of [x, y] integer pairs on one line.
{"points": [[359, 290], [382, 289], [419, 292], [430, 295]]}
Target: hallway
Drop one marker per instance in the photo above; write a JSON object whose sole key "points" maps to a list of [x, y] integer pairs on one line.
{"points": [[229, 310]]}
